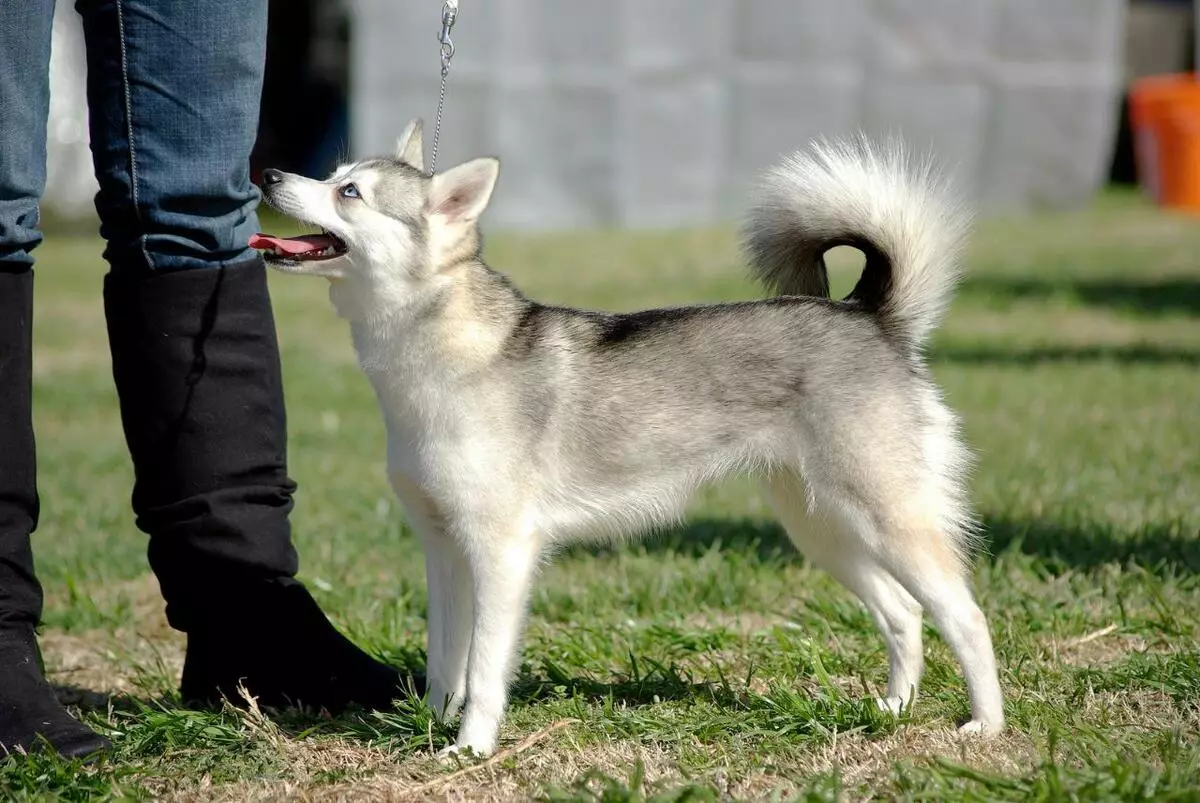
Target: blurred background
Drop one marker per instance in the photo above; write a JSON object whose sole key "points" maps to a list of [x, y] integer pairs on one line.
{"points": [[629, 113]]}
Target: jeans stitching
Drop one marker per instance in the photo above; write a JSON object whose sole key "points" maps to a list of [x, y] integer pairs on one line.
{"points": [[133, 173]]}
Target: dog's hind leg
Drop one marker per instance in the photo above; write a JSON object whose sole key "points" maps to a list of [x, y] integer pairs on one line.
{"points": [[900, 522], [920, 557], [448, 578], [503, 563], [831, 545]]}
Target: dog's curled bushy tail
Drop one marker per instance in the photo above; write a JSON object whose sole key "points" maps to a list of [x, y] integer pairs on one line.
{"points": [[899, 212]]}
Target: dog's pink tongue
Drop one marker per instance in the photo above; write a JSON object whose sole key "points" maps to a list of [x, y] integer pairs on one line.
{"points": [[290, 245]]}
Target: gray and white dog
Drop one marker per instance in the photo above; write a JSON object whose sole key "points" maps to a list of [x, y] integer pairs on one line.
{"points": [[514, 427]]}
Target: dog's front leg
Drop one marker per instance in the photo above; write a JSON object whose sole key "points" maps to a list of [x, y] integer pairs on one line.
{"points": [[448, 579], [450, 621], [502, 569]]}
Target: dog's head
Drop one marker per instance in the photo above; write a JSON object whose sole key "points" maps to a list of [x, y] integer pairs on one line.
{"points": [[382, 221]]}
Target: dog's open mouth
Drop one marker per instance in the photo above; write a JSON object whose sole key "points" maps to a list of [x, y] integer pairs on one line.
{"points": [[306, 248]]}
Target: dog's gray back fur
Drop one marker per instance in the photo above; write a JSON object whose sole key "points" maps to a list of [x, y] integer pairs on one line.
{"points": [[710, 389]]}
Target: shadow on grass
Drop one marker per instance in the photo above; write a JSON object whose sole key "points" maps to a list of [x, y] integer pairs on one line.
{"points": [[808, 710], [763, 538], [1165, 297], [1133, 354], [647, 683], [1159, 548], [90, 700]]}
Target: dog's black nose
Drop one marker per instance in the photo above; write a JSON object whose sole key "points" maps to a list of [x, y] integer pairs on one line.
{"points": [[271, 176]]}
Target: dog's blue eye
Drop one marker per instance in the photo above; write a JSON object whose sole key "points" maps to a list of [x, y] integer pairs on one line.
{"points": [[349, 191]]}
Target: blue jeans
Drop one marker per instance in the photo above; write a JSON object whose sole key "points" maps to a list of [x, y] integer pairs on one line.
{"points": [[173, 94]]}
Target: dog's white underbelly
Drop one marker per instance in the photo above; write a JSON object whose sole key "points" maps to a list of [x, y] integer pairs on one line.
{"points": [[480, 474]]}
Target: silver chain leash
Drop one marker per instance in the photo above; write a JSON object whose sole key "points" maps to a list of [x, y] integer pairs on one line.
{"points": [[449, 15]]}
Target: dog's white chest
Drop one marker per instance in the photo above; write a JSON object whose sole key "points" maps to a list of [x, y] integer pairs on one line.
{"points": [[444, 447]]}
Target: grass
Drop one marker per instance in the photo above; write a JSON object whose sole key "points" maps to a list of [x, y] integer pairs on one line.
{"points": [[709, 663]]}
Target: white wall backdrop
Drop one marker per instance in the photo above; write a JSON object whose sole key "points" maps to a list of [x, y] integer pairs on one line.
{"points": [[657, 112]]}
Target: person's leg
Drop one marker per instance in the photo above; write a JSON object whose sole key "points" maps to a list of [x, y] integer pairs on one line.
{"points": [[29, 711], [174, 91], [30, 715]]}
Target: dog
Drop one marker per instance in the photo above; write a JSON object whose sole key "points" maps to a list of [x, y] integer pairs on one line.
{"points": [[514, 427]]}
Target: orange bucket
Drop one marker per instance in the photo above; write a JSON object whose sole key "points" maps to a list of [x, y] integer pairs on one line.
{"points": [[1165, 114]]}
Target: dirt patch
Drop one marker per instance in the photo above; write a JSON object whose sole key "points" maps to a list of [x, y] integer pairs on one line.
{"points": [[513, 775], [1098, 649], [861, 761], [144, 657], [744, 623], [864, 760], [1099, 654], [89, 665], [1146, 710]]}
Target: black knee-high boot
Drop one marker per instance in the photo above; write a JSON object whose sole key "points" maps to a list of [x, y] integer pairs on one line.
{"points": [[30, 714], [196, 364]]}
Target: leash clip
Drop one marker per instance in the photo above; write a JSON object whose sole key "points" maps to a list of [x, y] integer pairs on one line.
{"points": [[449, 15]]}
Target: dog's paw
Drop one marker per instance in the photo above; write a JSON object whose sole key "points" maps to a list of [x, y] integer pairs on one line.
{"points": [[978, 727], [451, 754], [460, 754], [892, 705]]}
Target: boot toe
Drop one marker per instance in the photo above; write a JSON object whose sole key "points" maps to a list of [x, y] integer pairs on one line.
{"points": [[289, 653], [84, 745]]}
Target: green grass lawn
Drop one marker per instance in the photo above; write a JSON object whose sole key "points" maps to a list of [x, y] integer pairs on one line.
{"points": [[710, 662]]}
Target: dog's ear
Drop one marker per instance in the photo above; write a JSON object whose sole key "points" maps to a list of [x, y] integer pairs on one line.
{"points": [[409, 147], [462, 193]]}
